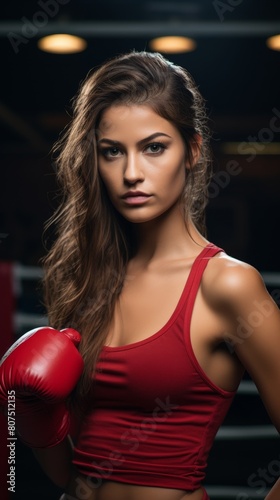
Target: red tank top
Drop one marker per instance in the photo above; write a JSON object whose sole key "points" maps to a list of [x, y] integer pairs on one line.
{"points": [[154, 412]]}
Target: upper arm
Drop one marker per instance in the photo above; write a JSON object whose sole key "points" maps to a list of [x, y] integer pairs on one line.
{"points": [[254, 328]]}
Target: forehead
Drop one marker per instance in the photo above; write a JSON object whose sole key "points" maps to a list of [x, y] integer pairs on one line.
{"points": [[118, 119]]}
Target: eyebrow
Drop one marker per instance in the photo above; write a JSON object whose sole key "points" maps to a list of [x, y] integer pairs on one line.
{"points": [[139, 143]]}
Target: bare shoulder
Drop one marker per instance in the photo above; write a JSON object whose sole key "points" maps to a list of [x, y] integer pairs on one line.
{"points": [[237, 291], [227, 280]]}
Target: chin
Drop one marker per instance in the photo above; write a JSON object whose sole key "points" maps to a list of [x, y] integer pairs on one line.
{"points": [[138, 218]]}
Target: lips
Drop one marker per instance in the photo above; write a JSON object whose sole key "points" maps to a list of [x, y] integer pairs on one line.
{"points": [[135, 194], [135, 197]]}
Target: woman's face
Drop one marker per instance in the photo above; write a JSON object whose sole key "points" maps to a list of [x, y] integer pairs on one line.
{"points": [[142, 161]]}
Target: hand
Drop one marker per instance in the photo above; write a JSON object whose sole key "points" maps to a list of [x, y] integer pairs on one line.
{"points": [[40, 371]]}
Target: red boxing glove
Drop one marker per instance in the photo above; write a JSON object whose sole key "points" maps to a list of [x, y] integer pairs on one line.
{"points": [[38, 373]]}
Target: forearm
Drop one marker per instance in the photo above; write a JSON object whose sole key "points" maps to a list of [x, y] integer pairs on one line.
{"points": [[274, 493], [56, 461]]}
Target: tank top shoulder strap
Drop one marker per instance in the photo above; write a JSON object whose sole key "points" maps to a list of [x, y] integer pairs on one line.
{"points": [[196, 273], [192, 287]]}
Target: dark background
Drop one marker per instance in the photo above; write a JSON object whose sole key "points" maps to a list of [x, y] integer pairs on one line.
{"points": [[240, 80], [235, 71]]}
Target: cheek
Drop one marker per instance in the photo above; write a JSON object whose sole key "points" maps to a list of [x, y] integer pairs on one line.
{"points": [[103, 173], [174, 174], [108, 181]]}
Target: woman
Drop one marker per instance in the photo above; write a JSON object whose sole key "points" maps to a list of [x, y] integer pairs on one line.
{"points": [[158, 306]]}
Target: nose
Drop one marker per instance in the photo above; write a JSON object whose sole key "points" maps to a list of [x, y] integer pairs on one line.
{"points": [[133, 171]]}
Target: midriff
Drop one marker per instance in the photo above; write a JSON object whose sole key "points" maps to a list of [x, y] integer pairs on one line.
{"points": [[84, 488]]}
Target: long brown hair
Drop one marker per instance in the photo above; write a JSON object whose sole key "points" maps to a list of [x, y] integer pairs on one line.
{"points": [[85, 268]]}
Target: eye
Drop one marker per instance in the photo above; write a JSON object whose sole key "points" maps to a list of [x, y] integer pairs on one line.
{"points": [[155, 148], [111, 152]]}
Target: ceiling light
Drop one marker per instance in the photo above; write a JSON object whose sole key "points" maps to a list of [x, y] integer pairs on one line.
{"points": [[62, 44], [173, 44], [273, 42]]}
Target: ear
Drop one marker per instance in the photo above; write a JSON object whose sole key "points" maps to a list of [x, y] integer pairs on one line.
{"points": [[195, 149]]}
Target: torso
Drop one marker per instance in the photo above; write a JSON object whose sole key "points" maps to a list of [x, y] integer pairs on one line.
{"points": [[145, 305]]}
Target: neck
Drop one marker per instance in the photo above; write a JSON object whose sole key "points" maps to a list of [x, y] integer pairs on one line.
{"points": [[167, 237]]}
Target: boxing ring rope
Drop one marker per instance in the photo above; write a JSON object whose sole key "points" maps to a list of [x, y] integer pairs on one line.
{"points": [[13, 276], [234, 493], [7, 307]]}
